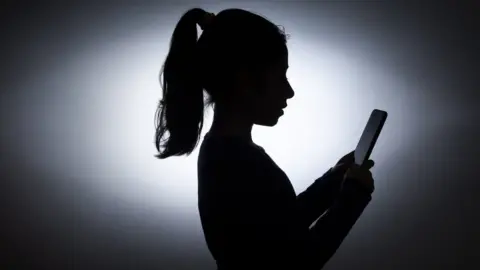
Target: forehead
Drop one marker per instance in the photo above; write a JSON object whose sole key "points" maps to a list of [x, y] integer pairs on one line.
{"points": [[282, 62], [285, 59]]}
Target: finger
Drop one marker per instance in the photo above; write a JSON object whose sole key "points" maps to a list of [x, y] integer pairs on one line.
{"points": [[363, 176], [352, 171], [364, 171], [355, 166], [341, 168], [348, 158], [360, 172], [369, 164], [369, 175]]}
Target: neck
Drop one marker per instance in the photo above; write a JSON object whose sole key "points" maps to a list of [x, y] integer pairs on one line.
{"points": [[231, 123]]}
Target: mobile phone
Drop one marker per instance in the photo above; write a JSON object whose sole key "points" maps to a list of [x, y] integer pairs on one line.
{"points": [[369, 136]]}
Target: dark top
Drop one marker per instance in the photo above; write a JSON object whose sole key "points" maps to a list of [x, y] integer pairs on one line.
{"points": [[252, 217]]}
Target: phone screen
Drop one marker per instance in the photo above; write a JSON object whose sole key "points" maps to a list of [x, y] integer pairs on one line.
{"points": [[369, 136]]}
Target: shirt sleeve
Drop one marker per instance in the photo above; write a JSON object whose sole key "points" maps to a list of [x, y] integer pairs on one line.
{"points": [[331, 229], [318, 197]]}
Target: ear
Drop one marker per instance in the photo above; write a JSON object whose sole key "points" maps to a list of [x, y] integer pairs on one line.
{"points": [[243, 81], [242, 76]]}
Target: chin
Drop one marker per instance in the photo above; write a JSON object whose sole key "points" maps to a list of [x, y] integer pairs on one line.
{"points": [[267, 122]]}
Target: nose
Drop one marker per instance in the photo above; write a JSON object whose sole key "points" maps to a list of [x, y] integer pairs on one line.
{"points": [[290, 92]]}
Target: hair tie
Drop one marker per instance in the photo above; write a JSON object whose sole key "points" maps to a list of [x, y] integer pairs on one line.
{"points": [[206, 20]]}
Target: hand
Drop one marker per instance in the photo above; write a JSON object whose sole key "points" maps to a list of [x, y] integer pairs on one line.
{"points": [[337, 173], [344, 164], [347, 159], [361, 175], [346, 168]]}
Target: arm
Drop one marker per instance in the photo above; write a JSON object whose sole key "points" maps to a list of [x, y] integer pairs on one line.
{"points": [[331, 229], [318, 197]]}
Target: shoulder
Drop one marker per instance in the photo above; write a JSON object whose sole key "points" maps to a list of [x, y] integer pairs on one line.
{"points": [[220, 159], [226, 151]]}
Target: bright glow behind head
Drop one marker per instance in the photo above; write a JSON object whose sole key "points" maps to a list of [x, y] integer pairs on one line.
{"points": [[110, 108]]}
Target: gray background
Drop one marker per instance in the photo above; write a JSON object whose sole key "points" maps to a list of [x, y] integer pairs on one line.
{"points": [[426, 216]]}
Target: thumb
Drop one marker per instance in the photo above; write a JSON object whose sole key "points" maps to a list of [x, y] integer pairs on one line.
{"points": [[348, 158], [342, 167]]}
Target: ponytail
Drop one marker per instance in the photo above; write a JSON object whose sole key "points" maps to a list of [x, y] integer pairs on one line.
{"points": [[180, 112]]}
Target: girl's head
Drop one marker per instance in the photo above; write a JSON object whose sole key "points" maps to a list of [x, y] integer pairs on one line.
{"points": [[240, 61]]}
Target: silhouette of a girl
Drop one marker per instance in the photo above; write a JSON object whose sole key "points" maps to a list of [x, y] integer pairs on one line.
{"points": [[250, 213]]}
